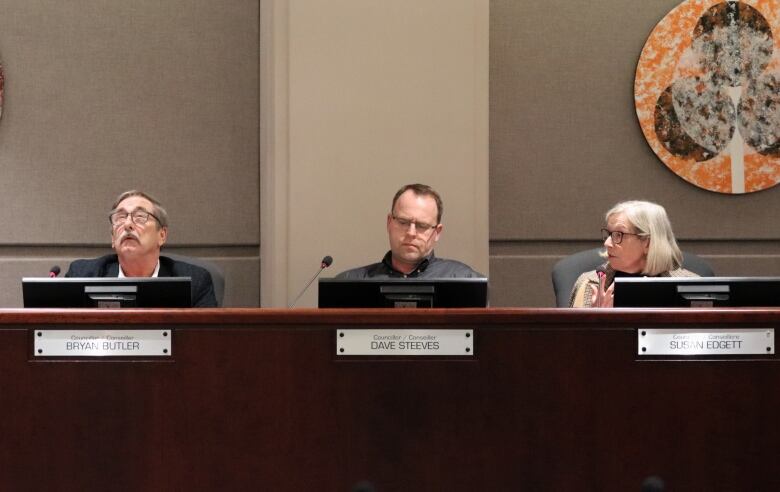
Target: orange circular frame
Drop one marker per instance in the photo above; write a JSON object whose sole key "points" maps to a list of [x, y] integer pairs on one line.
{"points": [[707, 93]]}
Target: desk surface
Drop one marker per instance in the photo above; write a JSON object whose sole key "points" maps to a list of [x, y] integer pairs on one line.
{"points": [[490, 316], [257, 399]]}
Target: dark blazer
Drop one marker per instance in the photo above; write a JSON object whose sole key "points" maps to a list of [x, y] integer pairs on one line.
{"points": [[108, 266]]}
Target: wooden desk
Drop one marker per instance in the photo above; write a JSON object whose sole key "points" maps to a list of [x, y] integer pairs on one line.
{"points": [[257, 400]]}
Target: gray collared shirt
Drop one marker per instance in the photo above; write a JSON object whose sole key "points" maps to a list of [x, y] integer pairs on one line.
{"points": [[430, 267]]}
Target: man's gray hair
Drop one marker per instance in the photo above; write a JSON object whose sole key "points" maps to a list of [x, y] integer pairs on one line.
{"points": [[159, 211]]}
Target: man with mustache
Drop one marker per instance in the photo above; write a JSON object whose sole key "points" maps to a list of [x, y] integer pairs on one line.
{"points": [[413, 228], [139, 228]]}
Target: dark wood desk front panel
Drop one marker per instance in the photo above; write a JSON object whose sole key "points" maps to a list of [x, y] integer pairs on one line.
{"points": [[257, 400]]}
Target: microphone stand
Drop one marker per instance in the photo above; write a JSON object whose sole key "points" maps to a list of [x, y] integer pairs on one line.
{"points": [[325, 264]]}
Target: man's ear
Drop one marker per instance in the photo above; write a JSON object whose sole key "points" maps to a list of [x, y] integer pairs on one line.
{"points": [[437, 231], [162, 236]]}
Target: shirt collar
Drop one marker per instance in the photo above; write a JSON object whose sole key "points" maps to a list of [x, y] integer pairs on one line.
{"points": [[387, 261], [155, 273]]}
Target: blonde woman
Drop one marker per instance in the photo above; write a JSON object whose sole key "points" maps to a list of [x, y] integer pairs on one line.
{"points": [[638, 241]]}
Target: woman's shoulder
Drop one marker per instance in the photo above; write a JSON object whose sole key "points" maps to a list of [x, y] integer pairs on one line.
{"points": [[585, 277], [681, 272], [581, 292]]}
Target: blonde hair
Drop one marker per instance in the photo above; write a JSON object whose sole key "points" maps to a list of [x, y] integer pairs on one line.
{"points": [[650, 220]]}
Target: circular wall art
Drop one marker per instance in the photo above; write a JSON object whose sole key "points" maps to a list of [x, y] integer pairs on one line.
{"points": [[707, 93]]}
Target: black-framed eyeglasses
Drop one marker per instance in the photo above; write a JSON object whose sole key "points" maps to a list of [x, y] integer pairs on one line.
{"points": [[420, 227], [617, 236], [139, 217]]}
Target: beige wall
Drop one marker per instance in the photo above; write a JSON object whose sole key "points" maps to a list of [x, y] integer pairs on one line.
{"points": [[363, 97], [565, 145], [103, 96]]}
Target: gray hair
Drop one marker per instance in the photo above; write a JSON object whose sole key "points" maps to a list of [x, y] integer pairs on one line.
{"points": [[650, 220], [159, 211]]}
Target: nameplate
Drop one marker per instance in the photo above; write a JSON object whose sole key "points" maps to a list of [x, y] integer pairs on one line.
{"points": [[102, 343], [404, 342], [715, 341]]}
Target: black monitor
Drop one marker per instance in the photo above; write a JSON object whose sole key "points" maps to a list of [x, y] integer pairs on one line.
{"points": [[403, 293], [697, 291], [104, 292]]}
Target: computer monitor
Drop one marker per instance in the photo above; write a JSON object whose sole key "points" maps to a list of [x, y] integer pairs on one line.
{"points": [[697, 291], [403, 293], [106, 292]]}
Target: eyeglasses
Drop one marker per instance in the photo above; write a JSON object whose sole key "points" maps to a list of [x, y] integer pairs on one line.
{"points": [[420, 227], [617, 236], [139, 217]]}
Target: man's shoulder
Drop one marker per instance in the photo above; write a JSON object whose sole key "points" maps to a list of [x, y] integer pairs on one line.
{"points": [[90, 267], [203, 294], [181, 268], [444, 267], [366, 271], [436, 268]]}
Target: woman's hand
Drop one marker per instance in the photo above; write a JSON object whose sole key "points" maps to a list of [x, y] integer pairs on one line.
{"points": [[603, 298]]}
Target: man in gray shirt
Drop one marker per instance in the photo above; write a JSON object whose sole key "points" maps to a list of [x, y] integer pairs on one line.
{"points": [[413, 228]]}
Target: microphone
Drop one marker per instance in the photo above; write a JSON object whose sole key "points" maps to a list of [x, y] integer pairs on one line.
{"points": [[601, 271], [54, 271], [326, 262]]}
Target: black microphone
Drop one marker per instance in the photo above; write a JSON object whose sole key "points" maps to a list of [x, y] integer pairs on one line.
{"points": [[602, 270], [326, 262], [54, 271]]}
